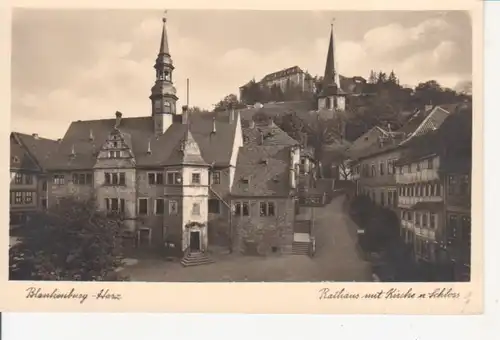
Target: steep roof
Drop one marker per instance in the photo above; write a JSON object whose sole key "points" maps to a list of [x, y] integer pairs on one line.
{"points": [[20, 158], [266, 170], [452, 141], [39, 149], [282, 73], [270, 134], [215, 148]]}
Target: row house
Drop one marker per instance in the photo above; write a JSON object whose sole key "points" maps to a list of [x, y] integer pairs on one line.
{"points": [[28, 182], [433, 180], [181, 181]]}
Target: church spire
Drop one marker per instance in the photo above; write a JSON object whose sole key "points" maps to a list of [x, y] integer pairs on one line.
{"points": [[164, 39], [331, 96], [331, 77], [163, 93]]}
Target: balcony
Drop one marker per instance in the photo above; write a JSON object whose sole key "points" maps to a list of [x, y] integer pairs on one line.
{"points": [[409, 201], [420, 231], [424, 175]]}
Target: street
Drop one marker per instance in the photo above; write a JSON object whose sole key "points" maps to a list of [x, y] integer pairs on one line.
{"points": [[336, 259]]}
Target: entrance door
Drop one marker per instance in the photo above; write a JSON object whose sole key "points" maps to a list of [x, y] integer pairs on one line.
{"points": [[194, 240]]}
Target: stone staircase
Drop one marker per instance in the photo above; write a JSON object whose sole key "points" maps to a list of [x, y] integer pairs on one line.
{"points": [[196, 259], [301, 248]]}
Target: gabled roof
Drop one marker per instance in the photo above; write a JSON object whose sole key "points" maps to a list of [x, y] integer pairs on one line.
{"points": [[266, 168], [271, 135], [20, 158], [39, 149], [215, 148], [186, 152]]}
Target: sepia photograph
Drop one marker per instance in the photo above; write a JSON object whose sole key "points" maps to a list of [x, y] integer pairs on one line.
{"points": [[241, 146]]}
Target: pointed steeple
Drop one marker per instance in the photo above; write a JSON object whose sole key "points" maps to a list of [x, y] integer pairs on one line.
{"points": [[164, 39], [331, 77], [163, 93], [331, 97]]}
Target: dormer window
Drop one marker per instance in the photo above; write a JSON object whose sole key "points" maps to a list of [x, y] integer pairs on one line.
{"points": [[245, 180], [15, 159]]}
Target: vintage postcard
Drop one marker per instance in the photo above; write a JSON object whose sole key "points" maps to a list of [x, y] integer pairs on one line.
{"points": [[249, 160]]}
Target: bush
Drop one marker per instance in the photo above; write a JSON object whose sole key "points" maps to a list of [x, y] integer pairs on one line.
{"points": [[71, 242]]}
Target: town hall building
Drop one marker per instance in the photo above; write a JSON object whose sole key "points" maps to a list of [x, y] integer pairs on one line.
{"points": [[180, 180]]}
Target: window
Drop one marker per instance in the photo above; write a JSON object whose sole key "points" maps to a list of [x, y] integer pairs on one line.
{"points": [[214, 206], [28, 197], [382, 198], [400, 170], [452, 184], [266, 208], [28, 179], [372, 174], [426, 193], [143, 206], [18, 197], [464, 185], [196, 209], [430, 163], [114, 154], [44, 185], [114, 204], [418, 166], [159, 206], [59, 179], [18, 179], [409, 215], [390, 167], [241, 209], [432, 221], [107, 178], [82, 179], [424, 220], [438, 189], [381, 166], [216, 177], [195, 178], [432, 189], [174, 178], [172, 207], [122, 178], [452, 229], [417, 219], [409, 168], [390, 200], [155, 178], [122, 205], [245, 180]]}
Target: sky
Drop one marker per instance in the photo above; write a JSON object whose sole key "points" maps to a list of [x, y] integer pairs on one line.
{"points": [[72, 65]]}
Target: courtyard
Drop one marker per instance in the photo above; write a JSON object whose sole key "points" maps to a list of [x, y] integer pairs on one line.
{"points": [[336, 259]]}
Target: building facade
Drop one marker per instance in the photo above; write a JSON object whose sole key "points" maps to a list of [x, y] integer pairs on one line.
{"points": [[28, 181], [185, 182]]}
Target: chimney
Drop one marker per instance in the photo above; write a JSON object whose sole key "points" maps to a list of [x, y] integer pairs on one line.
{"points": [[261, 137], [214, 128], [91, 135], [185, 114], [149, 147], [231, 116], [118, 115], [59, 140], [73, 154], [35, 135]]}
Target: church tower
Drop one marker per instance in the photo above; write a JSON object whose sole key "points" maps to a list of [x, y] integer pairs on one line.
{"points": [[163, 93], [331, 96]]}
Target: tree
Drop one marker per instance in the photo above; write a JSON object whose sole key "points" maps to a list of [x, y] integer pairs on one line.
{"points": [[372, 79], [72, 242], [291, 124], [229, 102]]}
